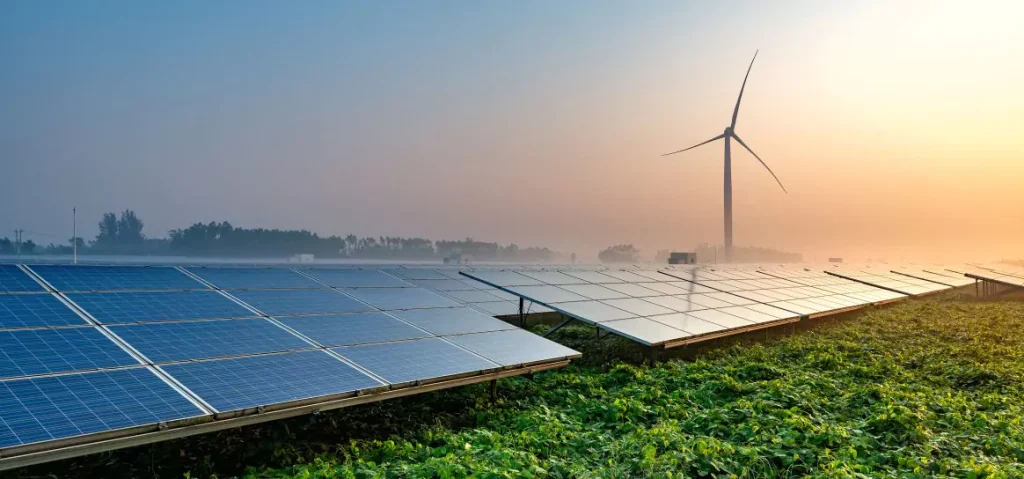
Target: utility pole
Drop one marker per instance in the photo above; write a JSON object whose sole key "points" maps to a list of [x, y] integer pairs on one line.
{"points": [[17, 240], [74, 232]]}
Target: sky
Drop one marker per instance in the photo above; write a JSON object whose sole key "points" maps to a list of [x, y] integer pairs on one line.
{"points": [[896, 127]]}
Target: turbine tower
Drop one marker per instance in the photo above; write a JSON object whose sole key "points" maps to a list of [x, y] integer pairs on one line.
{"points": [[728, 135]]}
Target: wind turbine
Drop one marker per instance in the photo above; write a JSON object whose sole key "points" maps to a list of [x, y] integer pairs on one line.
{"points": [[728, 135]]}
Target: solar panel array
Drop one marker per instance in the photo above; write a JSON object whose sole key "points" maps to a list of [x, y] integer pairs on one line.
{"points": [[449, 283], [1001, 273], [822, 298], [112, 347], [883, 278], [818, 279], [649, 307], [62, 375], [936, 275]]}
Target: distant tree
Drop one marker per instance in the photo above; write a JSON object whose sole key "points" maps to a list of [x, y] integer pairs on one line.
{"points": [[79, 241], [28, 247], [107, 237], [129, 229], [622, 253], [6, 246]]}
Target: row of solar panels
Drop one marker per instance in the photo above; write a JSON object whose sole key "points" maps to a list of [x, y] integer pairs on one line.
{"points": [[89, 351], [1004, 274], [681, 305]]}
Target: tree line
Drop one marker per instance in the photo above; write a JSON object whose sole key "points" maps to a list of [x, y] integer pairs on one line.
{"points": [[124, 235]]}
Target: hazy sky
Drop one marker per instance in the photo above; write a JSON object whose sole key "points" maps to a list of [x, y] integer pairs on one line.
{"points": [[898, 127]]}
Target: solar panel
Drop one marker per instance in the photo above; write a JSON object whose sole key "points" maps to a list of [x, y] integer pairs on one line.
{"points": [[115, 278], [388, 299], [593, 277], [592, 311], [35, 310], [513, 347], [645, 331], [30, 352], [416, 273], [14, 280], [475, 296], [403, 362], [158, 306], [285, 302], [446, 321], [501, 308], [357, 278], [165, 342], [440, 284], [247, 382], [254, 278], [691, 325], [57, 407], [505, 278], [356, 328]]}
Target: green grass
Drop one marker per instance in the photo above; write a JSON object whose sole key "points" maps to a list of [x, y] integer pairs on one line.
{"points": [[921, 389]]}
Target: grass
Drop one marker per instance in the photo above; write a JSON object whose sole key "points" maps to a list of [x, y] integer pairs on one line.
{"points": [[920, 389]]}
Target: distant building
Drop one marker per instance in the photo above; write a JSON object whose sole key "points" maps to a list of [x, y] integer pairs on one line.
{"points": [[457, 258], [682, 258], [302, 258]]}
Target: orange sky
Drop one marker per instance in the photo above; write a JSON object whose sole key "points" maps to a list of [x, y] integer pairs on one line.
{"points": [[897, 127]]}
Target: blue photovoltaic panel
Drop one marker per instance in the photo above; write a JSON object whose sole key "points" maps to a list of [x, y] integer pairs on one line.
{"points": [[42, 351], [57, 407], [163, 342], [357, 328], [415, 360], [115, 278], [416, 273], [14, 280], [35, 310], [284, 302], [389, 299], [513, 347], [445, 321], [357, 278], [145, 307], [246, 382], [441, 284], [254, 278]]}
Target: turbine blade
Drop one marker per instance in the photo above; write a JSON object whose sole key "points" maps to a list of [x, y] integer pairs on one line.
{"points": [[719, 137], [737, 137], [736, 111]]}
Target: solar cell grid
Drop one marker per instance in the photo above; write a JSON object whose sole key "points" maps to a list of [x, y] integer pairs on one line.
{"points": [[250, 381], [134, 307], [14, 280], [166, 342], [57, 407], [35, 310], [254, 278], [357, 278], [441, 284], [389, 299], [287, 302], [115, 278], [513, 347], [448, 321], [402, 362], [44, 351], [355, 328]]}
